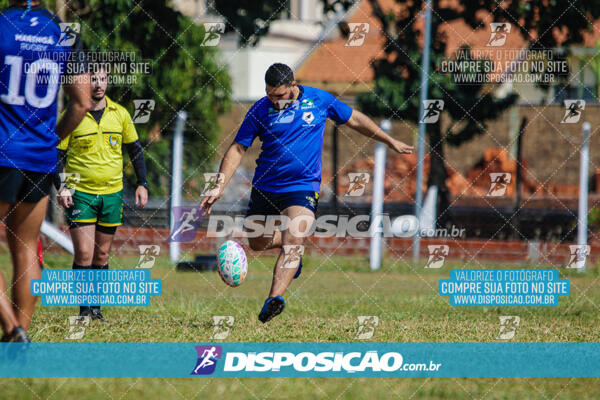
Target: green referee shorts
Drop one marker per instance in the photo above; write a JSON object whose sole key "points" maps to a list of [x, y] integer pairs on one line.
{"points": [[105, 210]]}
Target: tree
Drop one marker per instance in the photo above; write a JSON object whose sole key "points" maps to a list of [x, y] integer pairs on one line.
{"points": [[469, 106], [251, 19]]}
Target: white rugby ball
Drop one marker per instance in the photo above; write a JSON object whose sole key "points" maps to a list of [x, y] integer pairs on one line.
{"points": [[232, 263]]}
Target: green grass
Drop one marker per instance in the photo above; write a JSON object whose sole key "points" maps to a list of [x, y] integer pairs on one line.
{"points": [[322, 305]]}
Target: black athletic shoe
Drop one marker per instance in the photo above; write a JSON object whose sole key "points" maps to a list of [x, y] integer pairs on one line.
{"points": [[96, 314], [18, 335], [85, 311], [273, 307]]}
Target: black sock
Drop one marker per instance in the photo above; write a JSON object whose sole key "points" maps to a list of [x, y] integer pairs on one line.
{"points": [[98, 267], [77, 266]]}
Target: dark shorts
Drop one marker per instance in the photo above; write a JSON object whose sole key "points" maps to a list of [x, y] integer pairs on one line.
{"points": [[20, 186], [269, 203]]}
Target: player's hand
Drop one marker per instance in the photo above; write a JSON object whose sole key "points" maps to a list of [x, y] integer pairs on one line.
{"points": [[208, 202], [141, 196], [401, 147], [65, 198]]}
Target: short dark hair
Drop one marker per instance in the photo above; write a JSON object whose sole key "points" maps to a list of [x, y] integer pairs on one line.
{"points": [[279, 74]]}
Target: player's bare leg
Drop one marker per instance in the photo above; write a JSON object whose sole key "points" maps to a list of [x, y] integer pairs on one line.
{"points": [[8, 319], [266, 241], [301, 220], [23, 230], [102, 243], [83, 242]]}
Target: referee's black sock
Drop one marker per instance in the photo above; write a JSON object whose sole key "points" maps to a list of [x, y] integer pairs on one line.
{"points": [[98, 267], [83, 310]]}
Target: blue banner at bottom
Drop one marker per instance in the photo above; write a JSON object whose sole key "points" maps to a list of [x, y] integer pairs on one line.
{"points": [[236, 359]]}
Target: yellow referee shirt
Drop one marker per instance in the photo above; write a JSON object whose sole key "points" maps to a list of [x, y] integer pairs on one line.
{"points": [[94, 150]]}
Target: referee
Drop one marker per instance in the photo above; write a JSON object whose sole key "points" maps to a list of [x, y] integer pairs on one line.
{"points": [[94, 202]]}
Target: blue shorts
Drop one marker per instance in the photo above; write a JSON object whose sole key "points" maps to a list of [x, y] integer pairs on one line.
{"points": [[269, 203]]}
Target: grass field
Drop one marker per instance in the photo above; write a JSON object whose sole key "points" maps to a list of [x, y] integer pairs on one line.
{"points": [[322, 305]]}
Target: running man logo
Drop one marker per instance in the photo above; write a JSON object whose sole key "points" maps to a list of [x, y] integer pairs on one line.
{"points": [[77, 327], [573, 111], [579, 254], [68, 33], [366, 326], [207, 359], [499, 33], [432, 111], [292, 254], [186, 223], [358, 34], [69, 180], [213, 182], [508, 326], [212, 33], [148, 254], [437, 255], [499, 182], [358, 183], [222, 325], [143, 110]]}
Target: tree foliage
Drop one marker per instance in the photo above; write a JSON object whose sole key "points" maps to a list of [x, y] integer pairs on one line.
{"points": [[469, 106]]}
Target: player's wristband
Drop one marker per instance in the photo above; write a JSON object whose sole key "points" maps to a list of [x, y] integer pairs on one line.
{"points": [[144, 184]]}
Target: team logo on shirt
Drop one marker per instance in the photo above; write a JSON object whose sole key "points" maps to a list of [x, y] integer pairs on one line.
{"points": [[308, 117], [307, 103], [113, 140]]}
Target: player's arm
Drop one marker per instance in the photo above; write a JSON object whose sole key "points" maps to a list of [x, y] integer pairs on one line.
{"points": [[231, 161], [78, 89], [365, 126], [136, 155]]}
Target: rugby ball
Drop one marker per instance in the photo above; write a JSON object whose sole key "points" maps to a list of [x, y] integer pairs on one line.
{"points": [[232, 263]]}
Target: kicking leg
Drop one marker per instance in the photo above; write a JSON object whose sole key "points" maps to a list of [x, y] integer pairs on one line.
{"points": [[289, 259]]}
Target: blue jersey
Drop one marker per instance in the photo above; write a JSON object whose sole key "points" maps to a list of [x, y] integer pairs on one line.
{"points": [[292, 139], [33, 57]]}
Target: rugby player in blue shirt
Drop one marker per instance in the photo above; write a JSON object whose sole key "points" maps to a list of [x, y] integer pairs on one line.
{"points": [[289, 122], [33, 60]]}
